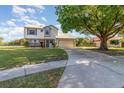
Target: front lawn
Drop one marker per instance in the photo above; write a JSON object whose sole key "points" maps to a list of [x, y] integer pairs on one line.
{"points": [[111, 51], [17, 56], [47, 79]]}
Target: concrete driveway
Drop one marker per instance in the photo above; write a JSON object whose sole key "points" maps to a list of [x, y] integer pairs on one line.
{"points": [[88, 69]]}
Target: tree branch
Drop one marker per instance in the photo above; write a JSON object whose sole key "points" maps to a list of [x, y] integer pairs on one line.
{"points": [[115, 21], [90, 30], [117, 31]]}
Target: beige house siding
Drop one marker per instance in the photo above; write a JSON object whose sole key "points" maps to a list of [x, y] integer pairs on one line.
{"points": [[66, 43], [53, 34], [97, 43], [96, 40], [38, 36]]}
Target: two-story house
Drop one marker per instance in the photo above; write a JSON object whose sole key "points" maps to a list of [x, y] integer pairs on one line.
{"points": [[48, 36]]}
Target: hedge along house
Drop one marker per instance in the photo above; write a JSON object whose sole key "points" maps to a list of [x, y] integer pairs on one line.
{"points": [[48, 36], [113, 42]]}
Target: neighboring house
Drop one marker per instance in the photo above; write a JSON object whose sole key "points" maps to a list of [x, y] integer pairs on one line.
{"points": [[113, 42], [48, 36]]}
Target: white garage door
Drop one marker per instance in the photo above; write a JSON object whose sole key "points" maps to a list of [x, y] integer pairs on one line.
{"points": [[66, 43]]}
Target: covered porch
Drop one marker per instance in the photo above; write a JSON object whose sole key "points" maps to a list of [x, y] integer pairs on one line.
{"points": [[44, 43], [48, 43]]}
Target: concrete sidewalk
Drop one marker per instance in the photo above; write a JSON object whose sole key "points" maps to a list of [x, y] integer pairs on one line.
{"points": [[88, 69], [29, 69]]}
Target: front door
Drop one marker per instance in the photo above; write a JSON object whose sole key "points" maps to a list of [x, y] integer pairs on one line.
{"points": [[47, 43], [42, 44]]}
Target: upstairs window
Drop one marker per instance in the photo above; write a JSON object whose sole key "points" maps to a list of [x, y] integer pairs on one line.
{"points": [[47, 32], [31, 32]]}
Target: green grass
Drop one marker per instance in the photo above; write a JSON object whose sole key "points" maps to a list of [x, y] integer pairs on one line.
{"points": [[47, 79], [111, 51], [17, 56]]}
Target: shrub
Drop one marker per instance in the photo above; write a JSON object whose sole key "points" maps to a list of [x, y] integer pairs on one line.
{"points": [[84, 42], [16, 42], [122, 40], [114, 42], [79, 42], [26, 44]]}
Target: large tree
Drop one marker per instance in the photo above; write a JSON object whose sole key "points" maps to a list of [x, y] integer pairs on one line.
{"points": [[102, 21]]}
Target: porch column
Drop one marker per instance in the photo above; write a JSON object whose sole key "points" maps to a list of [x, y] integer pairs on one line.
{"points": [[57, 42], [120, 44], [44, 43]]}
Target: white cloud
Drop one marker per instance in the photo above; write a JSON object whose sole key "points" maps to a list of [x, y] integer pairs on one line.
{"points": [[24, 18], [28, 15], [11, 33], [21, 12], [18, 11], [32, 22], [39, 7], [30, 10], [10, 23], [17, 31], [4, 30], [14, 20], [27, 20], [58, 26], [44, 19]]}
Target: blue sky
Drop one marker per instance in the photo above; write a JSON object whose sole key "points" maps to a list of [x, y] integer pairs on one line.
{"points": [[14, 18]]}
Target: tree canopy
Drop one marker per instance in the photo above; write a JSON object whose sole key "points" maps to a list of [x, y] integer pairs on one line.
{"points": [[102, 21]]}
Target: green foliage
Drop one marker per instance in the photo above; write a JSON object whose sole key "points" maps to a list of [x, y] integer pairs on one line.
{"points": [[114, 42], [84, 42], [103, 21], [88, 43], [79, 42], [1, 40], [1, 43], [122, 40], [26, 44], [93, 19], [16, 42]]}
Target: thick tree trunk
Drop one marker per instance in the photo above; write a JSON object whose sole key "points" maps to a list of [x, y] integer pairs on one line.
{"points": [[103, 44]]}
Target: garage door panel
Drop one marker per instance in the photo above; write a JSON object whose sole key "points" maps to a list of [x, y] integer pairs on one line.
{"points": [[66, 43]]}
